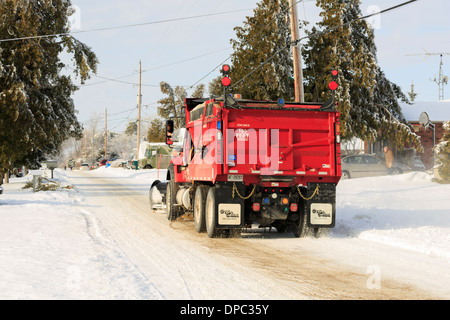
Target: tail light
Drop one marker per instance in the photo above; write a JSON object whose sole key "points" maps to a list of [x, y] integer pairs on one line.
{"points": [[294, 207]]}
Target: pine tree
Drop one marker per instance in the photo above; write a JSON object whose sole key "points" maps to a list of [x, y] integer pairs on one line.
{"points": [[173, 105], [37, 111], [367, 101], [131, 128], [442, 150], [156, 132], [265, 37], [198, 91], [215, 87]]}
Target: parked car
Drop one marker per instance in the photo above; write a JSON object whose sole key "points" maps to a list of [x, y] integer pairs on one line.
{"points": [[85, 167], [365, 165], [17, 172]]}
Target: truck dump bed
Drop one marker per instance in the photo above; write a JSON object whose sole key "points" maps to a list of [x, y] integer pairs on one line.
{"points": [[295, 143]]}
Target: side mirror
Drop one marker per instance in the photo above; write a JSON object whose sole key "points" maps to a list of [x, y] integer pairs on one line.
{"points": [[169, 132]]}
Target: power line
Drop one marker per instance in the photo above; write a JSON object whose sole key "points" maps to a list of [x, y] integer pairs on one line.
{"points": [[185, 60], [356, 19], [255, 36], [321, 32], [123, 26], [110, 115], [121, 81], [115, 79]]}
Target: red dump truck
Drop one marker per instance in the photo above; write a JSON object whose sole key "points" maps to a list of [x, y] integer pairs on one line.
{"points": [[245, 163]]}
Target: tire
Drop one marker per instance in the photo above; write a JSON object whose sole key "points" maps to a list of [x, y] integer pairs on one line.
{"points": [[280, 226], [199, 208], [171, 192], [395, 171], [150, 199], [170, 202], [210, 214], [345, 175], [300, 227]]}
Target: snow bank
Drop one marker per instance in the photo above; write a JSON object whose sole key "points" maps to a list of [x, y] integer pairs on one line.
{"points": [[407, 211], [45, 237]]}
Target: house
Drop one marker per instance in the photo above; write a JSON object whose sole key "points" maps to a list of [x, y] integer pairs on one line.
{"points": [[437, 113]]}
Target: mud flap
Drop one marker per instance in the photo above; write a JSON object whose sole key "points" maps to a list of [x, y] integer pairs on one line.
{"points": [[229, 210], [321, 209]]}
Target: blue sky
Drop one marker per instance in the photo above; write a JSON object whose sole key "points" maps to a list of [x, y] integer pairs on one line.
{"points": [[423, 26]]}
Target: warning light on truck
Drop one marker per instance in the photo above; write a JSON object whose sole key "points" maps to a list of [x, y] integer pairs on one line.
{"points": [[225, 70], [226, 81], [333, 84], [334, 73]]}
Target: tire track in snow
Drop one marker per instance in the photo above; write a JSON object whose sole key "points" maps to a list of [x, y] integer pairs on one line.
{"points": [[112, 268]]}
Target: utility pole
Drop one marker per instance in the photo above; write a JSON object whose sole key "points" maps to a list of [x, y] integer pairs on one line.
{"points": [[106, 133], [139, 113], [298, 72]]}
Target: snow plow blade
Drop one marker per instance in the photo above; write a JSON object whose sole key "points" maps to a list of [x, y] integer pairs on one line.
{"points": [[157, 195]]}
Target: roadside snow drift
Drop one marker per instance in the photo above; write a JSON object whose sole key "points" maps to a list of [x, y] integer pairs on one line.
{"points": [[46, 237]]}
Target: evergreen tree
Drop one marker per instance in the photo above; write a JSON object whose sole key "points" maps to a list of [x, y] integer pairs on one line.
{"points": [[173, 104], [264, 37], [442, 150], [157, 131], [131, 128], [37, 111], [198, 91], [215, 87], [367, 101]]}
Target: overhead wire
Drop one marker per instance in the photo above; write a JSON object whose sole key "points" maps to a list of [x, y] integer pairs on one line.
{"points": [[257, 34], [122, 26], [115, 79], [295, 42]]}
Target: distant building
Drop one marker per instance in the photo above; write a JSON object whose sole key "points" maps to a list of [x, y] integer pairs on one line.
{"points": [[437, 112]]}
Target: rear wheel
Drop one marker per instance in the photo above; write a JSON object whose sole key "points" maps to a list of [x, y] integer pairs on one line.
{"points": [[150, 198], [300, 227], [170, 201], [210, 214], [345, 175], [171, 192], [199, 208]]}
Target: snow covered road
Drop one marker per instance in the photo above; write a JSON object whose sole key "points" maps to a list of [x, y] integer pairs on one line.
{"points": [[100, 241]]}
